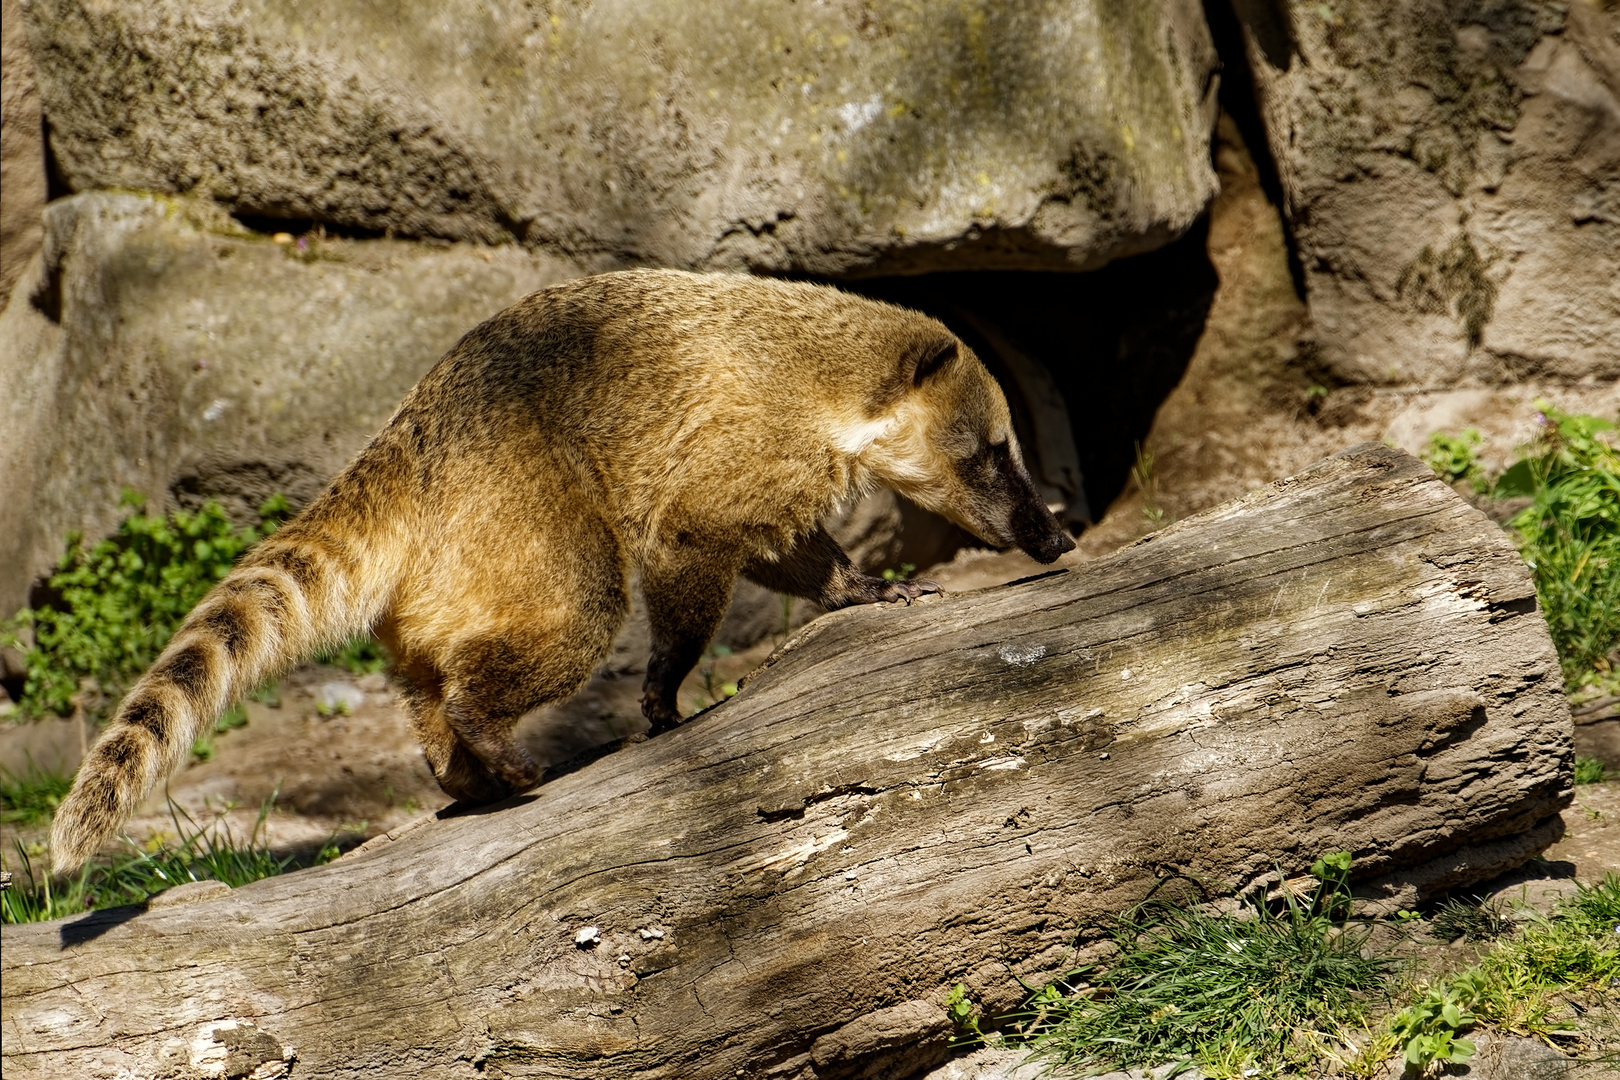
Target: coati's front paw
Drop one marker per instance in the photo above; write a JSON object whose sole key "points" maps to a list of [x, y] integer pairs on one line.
{"points": [[660, 713], [875, 590], [909, 590]]}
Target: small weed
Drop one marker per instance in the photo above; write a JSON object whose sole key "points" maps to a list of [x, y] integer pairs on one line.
{"points": [[964, 1016], [720, 691], [1471, 919], [203, 853], [1590, 770], [902, 574], [1147, 483], [31, 797], [1455, 459], [234, 717]]}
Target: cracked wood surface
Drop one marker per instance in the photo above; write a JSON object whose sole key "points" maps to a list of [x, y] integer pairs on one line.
{"points": [[903, 797]]}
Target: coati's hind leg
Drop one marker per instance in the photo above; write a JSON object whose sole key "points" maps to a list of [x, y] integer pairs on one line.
{"points": [[465, 702], [459, 771], [816, 568]]}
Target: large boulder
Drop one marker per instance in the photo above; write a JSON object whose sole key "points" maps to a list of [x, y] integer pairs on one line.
{"points": [[155, 344], [1451, 176], [830, 139]]}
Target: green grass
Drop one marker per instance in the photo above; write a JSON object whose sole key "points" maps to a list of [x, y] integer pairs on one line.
{"points": [[31, 797], [1569, 533], [1290, 988], [1530, 977], [1234, 996], [202, 853], [1590, 770]]}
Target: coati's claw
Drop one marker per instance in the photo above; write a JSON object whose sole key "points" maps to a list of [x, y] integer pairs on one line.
{"points": [[911, 590]]}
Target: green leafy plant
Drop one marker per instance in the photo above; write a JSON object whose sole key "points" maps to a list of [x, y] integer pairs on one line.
{"points": [[1570, 537], [1569, 533], [1427, 1031], [1234, 996], [203, 853], [121, 600], [902, 574]]}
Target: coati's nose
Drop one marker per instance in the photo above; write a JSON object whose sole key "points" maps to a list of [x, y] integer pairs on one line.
{"points": [[1050, 546], [1037, 532]]}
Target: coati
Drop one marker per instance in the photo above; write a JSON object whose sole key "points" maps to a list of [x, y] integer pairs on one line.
{"points": [[682, 426]]}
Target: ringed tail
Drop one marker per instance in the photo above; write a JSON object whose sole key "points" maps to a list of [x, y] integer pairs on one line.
{"points": [[307, 586]]}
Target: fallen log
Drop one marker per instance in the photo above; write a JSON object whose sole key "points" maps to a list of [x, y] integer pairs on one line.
{"points": [[902, 798]]}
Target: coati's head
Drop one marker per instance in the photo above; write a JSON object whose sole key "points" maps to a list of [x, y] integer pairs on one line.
{"points": [[944, 439]]}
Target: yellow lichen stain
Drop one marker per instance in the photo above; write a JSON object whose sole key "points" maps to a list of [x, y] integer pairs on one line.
{"points": [[1128, 137], [898, 109], [843, 156], [983, 178]]}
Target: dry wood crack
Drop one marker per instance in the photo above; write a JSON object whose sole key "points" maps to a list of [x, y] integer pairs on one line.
{"points": [[903, 798]]}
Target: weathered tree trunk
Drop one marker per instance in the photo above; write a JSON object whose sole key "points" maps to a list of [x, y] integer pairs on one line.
{"points": [[903, 798]]}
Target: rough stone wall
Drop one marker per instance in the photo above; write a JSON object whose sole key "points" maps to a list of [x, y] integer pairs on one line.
{"points": [[1451, 178]]}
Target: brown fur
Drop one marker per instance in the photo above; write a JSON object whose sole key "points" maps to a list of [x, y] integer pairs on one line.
{"points": [[686, 427]]}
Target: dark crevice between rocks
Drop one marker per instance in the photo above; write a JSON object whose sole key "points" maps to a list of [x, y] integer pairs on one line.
{"points": [[1269, 25], [56, 183]]}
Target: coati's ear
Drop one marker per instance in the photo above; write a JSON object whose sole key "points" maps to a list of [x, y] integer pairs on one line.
{"points": [[925, 355]]}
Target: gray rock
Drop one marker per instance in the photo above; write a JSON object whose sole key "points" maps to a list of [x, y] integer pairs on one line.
{"points": [[156, 346], [826, 138], [1451, 175]]}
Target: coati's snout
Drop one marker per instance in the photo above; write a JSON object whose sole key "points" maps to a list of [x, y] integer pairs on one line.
{"points": [[1024, 519]]}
